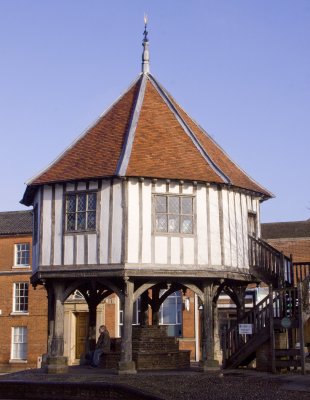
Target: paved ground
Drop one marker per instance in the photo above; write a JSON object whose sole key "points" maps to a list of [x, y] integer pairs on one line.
{"points": [[191, 384]]}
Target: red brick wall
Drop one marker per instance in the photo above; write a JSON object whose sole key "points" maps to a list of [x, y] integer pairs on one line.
{"points": [[299, 248], [7, 250], [36, 321]]}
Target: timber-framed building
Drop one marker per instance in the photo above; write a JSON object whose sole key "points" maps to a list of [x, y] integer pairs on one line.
{"points": [[142, 205]]}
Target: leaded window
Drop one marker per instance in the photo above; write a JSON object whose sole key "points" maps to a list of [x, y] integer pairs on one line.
{"points": [[20, 300], [174, 214], [22, 254], [81, 211]]}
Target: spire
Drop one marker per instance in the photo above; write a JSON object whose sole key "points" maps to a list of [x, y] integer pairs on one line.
{"points": [[145, 54]]}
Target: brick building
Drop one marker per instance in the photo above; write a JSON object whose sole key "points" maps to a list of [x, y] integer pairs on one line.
{"points": [[23, 310], [293, 238]]}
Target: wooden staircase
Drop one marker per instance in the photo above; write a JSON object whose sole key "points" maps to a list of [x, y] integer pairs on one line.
{"points": [[283, 311]]}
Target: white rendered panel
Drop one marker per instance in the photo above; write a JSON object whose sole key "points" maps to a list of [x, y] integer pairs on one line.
{"points": [[80, 249], [70, 187], [258, 216], [81, 186], [244, 212], [104, 222], [161, 244], [202, 236], [93, 185], [36, 247], [117, 223], [147, 222], [160, 187], [187, 189], [174, 188], [92, 248], [239, 230], [58, 224], [226, 228], [47, 225], [214, 227], [232, 223], [68, 258], [188, 250], [133, 220], [175, 250]]}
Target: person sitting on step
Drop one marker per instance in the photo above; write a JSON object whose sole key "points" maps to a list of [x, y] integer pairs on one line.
{"points": [[102, 346]]}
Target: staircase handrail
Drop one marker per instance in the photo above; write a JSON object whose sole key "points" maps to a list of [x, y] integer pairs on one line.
{"points": [[265, 257], [284, 304], [258, 316]]}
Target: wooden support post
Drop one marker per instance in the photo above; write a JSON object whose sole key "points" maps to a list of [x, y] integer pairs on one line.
{"points": [[155, 306], [208, 361], [92, 320], [144, 312], [56, 362], [126, 365]]}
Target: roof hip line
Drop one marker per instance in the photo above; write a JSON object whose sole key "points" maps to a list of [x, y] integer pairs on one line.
{"points": [[127, 148], [188, 131]]}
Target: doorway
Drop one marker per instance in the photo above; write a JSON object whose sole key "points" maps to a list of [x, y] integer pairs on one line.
{"points": [[81, 334]]}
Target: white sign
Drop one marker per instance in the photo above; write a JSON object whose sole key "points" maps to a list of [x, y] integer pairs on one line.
{"points": [[246, 329]]}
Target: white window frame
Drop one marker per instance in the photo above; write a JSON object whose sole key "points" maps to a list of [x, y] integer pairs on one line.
{"points": [[177, 304], [135, 317], [19, 344], [22, 250], [17, 303]]}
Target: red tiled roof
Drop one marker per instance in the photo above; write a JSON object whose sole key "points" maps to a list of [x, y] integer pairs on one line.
{"points": [[146, 133], [96, 153]]}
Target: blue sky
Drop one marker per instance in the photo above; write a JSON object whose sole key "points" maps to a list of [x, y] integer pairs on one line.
{"points": [[241, 68]]}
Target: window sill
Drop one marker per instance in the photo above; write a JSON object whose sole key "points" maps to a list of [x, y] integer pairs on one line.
{"points": [[21, 266], [93, 231], [17, 361], [15, 313], [175, 234]]}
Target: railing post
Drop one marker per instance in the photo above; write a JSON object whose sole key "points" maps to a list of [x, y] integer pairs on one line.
{"points": [[301, 329], [272, 341]]}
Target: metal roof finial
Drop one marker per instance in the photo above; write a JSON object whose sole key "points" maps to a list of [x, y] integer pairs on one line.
{"points": [[145, 44]]}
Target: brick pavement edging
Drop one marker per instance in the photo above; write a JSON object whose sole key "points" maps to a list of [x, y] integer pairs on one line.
{"points": [[70, 391]]}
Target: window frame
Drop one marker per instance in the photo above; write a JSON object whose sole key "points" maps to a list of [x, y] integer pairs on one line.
{"points": [[18, 303], [76, 193], [16, 350], [180, 214], [175, 302], [16, 256]]}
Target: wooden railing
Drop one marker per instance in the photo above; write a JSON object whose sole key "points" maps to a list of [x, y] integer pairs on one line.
{"points": [[273, 264], [259, 317], [278, 304]]}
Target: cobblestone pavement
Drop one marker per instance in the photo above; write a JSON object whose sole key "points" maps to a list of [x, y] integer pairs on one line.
{"points": [[190, 385]]}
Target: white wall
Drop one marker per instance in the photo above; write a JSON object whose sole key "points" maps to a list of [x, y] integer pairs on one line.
{"points": [[126, 233]]}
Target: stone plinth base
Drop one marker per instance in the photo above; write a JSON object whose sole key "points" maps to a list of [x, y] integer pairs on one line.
{"points": [[126, 367], [209, 365], [150, 361], [56, 365]]}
